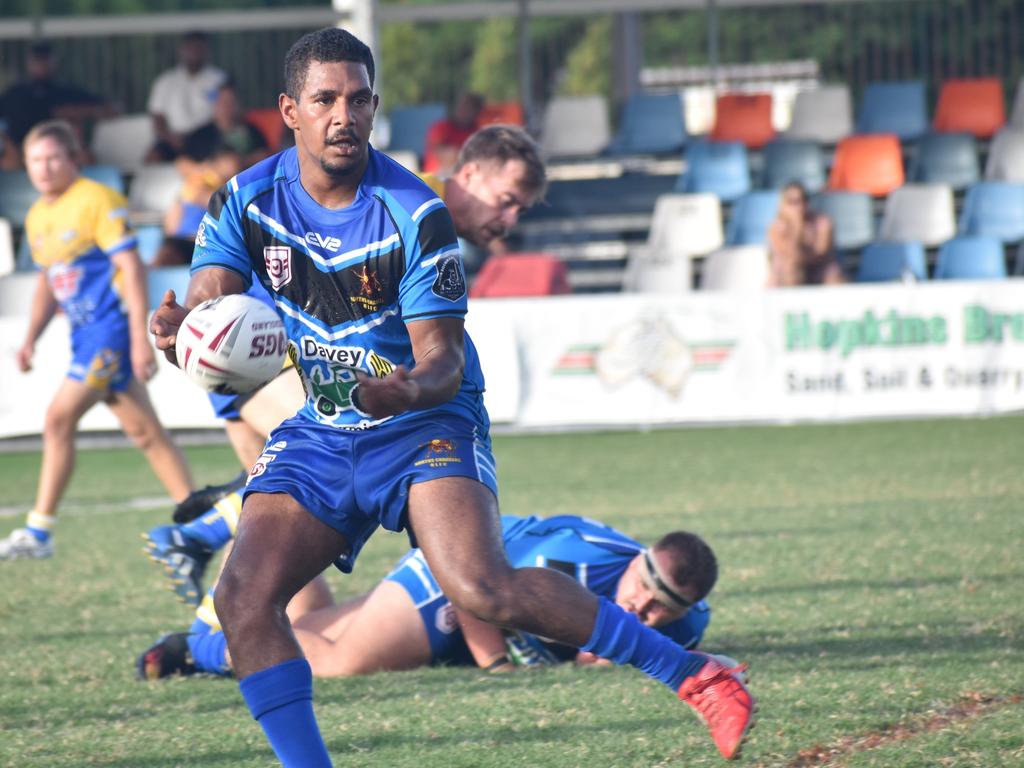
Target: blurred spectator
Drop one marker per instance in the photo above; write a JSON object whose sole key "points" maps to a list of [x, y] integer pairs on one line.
{"points": [[182, 98], [228, 128], [446, 137], [183, 220], [800, 243], [40, 97]]}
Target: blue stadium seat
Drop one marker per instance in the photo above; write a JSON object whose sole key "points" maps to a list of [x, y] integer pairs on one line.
{"points": [[409, 126], [159, 280], [897, 107], [794, 160], [719, 168], [16, 196], [946, 158], [105, 174], [971, 258], [150, 237], [652, 124], [886, 261], [853, 218], [751, 216], [994, 209]]}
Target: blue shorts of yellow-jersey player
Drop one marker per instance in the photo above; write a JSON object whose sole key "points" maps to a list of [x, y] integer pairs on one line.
{"points": [[355, 480], [224, 406], [101, 356], [447, 645]]}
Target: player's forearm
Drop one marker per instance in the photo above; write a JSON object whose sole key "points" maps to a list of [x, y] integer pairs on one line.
{"points": [[210, 283], [438, 375], [135, 294], [485, 642]]}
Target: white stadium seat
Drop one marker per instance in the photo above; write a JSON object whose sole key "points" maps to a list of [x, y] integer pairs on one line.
{"points": [[153, 190], [6, 248], [822, 114], [123, 141], [575, 126], [919, 212], [739, 268], [1006, 156]]}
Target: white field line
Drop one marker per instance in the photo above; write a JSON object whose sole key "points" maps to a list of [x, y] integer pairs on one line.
{"points": [[75, 509]]}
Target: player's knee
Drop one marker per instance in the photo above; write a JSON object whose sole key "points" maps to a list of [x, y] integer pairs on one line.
{"points": [[59, 423], [489, 599], [142, 436]]}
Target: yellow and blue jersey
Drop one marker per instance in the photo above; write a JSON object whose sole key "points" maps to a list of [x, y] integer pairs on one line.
{"points": [[72, 240]]}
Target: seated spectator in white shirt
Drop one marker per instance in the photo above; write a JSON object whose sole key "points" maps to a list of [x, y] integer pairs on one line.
{"points": [[182, 98]]}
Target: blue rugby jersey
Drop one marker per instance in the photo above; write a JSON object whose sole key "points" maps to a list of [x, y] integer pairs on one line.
{"points": [[592, 553], [347, 281]]}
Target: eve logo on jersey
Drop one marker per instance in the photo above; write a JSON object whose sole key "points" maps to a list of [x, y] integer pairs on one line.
{"points": [[278, 259], [329, 243]]}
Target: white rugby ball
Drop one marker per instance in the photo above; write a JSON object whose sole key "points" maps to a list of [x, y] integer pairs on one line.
{"points": [[231, 344]]}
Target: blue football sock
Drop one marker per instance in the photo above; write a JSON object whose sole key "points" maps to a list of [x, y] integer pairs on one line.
{"points": [[620, 637], [281, 700], [216, 527], [208, 647], [40, 526], [41, 535]]}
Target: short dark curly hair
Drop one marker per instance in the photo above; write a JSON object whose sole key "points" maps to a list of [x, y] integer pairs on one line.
{"points": [[328, 44], [692, 561]]}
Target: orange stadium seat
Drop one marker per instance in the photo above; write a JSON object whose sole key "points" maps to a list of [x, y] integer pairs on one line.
{"points": [[508, 112], [871, 163], [973, 105], [268, 121], [521, 274], [744, 117]]}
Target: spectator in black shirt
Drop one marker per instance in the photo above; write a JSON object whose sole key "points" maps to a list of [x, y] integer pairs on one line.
{"points": [[228, 128]]}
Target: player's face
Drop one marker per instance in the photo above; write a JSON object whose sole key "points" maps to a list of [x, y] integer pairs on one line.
{"points": [[638, 595], [50, 167], [333, 117], [490, 200]]}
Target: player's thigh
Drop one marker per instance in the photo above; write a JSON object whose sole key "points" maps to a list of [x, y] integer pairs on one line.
{"points": [[331, 621], [134, 410], [273, 403], [246, 441], [313, 597], [456, 524], [70, 403]]}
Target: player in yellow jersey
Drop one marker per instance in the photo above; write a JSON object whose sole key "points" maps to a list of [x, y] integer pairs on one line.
{"points": [[90, 269]]}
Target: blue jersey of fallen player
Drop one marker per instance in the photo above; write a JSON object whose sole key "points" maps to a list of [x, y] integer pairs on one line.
{"points": [[344, 281], [596, 556]]}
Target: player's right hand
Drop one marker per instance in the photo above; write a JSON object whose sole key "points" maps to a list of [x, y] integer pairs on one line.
{"points": [[164, 325], [24, 356]]}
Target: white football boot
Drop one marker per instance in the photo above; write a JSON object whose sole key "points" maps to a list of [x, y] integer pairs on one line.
{"points": [[21, 543]]}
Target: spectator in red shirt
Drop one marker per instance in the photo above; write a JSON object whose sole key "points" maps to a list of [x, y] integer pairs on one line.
{"points": [[446, 137]]}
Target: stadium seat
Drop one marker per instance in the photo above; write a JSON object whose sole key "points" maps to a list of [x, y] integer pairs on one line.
{"points": [[822, 114], [269, 123], [994, 209], [744, 117], [945, 158], [718, 168], [971, 105], [160, 279], [1017, 115], [521, 274], [16, 196], [123, 141], [971, 258], [507, 112], [153, 190], [897, 107], [887, 261], [871, 164], [852, 215], [105, 174], [150, 236], [6, 248], [406, 159], [739, 268], [409, 126], [921, 212], [789, 160], [1006, 156], [751, 216], [651, 124], [575, 126], [686, 224]]}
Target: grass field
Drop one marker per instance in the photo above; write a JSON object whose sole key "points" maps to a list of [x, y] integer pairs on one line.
{"points": [[872, 576]]}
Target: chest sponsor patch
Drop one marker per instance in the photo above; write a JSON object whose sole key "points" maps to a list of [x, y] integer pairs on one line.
{"points": [[450, 283], [278, 259]]}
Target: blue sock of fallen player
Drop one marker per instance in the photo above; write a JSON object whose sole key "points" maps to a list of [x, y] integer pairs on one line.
{"points": [[208, 647], [620, 637], [281, 700]]}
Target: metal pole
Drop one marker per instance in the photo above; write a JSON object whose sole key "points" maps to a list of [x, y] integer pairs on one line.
{"points": [[525, 64], [713, 62]]}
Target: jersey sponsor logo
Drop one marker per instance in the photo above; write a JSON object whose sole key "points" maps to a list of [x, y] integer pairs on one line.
{"points": [[327, 242], [350, 357], [64, 280], [379, 366], [201, 235], [438, 453], [370, 290], [331, 381], [278, 259], [450, 283]]}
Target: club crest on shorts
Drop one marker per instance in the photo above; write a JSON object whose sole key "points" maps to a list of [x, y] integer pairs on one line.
{"points": [[450, 283], [278, 259]]}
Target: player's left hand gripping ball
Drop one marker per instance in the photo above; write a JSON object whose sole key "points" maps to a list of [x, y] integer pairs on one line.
{"points": [[231, 344]]}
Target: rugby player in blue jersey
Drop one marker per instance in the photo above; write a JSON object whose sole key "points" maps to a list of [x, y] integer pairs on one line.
{"points": [[394, 432]]}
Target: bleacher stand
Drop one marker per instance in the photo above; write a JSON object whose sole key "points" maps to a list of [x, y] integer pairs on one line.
{"points": [[110, 175], [921, 212], [505, 112], [521, 274], [718, 168], [971, 258], [575, 127], [945, 158], [270, 124], [159, 280], [751, 216], [123, 141], [971, 105], [894, 107], [153, 190], [883, 262], [651, 124], [16, 196], [409, 126], [853, 218], [744, 117], [824, 115], [1006, 156], [996, 209], [800, 160], [871, 164], [149, 237], [6, 248], [738, 268], [1017, 114]]}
